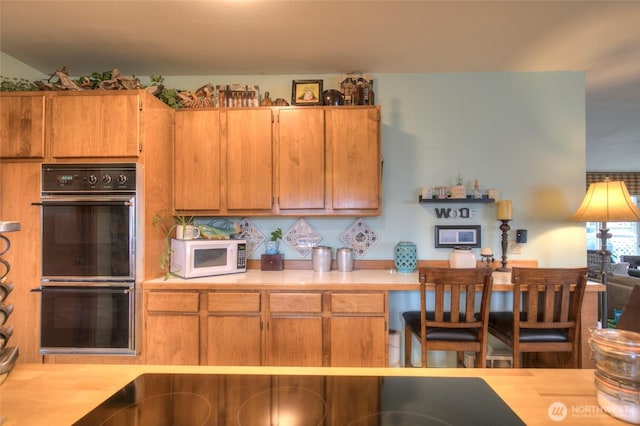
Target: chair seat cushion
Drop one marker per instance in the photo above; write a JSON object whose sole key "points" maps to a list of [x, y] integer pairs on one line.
{"points": [[501, 323], [412, 319]]}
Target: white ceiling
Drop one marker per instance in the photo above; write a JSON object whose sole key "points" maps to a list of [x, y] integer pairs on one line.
{"points": [[241, 37]]}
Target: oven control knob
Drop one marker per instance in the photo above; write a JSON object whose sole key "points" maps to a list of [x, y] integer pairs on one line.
{"points": [[92, 179], [106, 179], [122, 179]]}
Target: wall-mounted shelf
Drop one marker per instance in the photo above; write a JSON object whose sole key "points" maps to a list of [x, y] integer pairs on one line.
{"points": [[455, 200]]}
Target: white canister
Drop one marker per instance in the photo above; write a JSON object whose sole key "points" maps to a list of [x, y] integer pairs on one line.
{"points": [[462, 257]]}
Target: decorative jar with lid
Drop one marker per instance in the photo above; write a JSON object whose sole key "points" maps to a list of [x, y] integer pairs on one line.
{"points": [[406, 257], [462, 257]]}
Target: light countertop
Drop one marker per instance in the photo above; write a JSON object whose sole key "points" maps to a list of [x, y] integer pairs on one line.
{"points": [[301, 279], [60, 394]]}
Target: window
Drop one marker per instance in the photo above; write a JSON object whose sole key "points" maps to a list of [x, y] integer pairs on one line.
{"points": [[625, 236]]}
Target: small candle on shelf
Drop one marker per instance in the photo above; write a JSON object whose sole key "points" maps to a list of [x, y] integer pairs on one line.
{"points": [[486, 251], [504, 210]]}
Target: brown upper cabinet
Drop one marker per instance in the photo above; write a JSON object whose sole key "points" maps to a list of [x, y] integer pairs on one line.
{"points": [[89, 124], [278, 161], [249, 159], [22, 125], [197, 160], [355, 160], [223, 161], [300, 148], [80, 125]]}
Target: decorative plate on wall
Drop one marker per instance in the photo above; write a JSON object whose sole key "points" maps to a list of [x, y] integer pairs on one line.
{"points": [[252, 234], [360, 237], [302, 237]]}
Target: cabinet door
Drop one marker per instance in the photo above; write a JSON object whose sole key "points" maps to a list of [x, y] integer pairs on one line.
{"points": [[301, 159], [249, 158], [358, 330], [353, 139], [172, 331], [234, 328], [22, 126], [197, 160], [19, 187], [96, 125], [294, 330]]}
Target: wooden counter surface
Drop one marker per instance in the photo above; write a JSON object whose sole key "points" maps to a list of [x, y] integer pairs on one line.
{"points": [[296, 279], [60, 394]]}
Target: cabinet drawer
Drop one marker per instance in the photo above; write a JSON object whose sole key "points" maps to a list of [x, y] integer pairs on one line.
{"points": [[295, 302], [368, 303], [233, 302], [173, 302]]}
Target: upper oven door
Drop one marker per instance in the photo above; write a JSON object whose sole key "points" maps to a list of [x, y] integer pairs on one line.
{"points": [[88, 239]]}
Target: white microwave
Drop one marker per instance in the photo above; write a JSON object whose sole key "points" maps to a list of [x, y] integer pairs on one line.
{"points": [[203, 258]]}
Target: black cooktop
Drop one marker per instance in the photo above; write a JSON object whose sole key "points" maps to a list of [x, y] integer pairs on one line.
{"points": [[284, 400]]}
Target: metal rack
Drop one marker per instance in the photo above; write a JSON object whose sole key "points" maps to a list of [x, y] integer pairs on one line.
{"points": [[8, 355]]}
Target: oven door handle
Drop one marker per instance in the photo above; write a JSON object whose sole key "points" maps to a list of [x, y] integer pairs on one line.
{"points": [[84, 202], [83, 289]]}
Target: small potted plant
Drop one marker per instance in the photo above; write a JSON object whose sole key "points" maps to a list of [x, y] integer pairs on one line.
{"points": [[459, 191], [167, 224], [273, 244]]}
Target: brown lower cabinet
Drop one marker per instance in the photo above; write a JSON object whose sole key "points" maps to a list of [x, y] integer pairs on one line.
{"points": [[234, 329], [294, 329], [172, 328], [354, 330], [266, 327]]}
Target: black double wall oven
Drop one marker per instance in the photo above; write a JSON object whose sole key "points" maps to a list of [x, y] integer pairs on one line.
{"points": [[88, 285]]}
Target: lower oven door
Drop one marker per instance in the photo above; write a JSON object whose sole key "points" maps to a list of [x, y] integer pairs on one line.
{"points": [[88, 318]]}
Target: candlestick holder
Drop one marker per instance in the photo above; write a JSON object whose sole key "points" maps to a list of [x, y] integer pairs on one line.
{"points": [[505, 242], [487, 259]]}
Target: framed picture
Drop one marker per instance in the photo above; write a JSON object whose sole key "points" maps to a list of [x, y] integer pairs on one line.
{"points": [[306, 92], [457, 236]]}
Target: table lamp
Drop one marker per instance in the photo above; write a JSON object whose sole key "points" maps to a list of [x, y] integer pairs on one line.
{"points": [[606, 201]]}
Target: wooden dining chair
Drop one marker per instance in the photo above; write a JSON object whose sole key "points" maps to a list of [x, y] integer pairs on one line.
{"points": [[457, 322], [546, 312]]}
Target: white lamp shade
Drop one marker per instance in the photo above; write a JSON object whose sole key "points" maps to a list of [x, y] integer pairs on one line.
{"points": [[607, 201]]}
